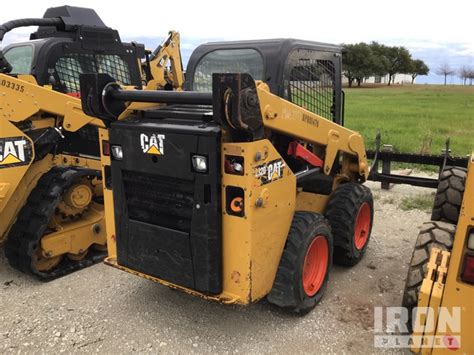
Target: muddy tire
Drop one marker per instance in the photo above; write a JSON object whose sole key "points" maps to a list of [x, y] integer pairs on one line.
{"points": [[305, 265], [350, 213], [433, 234], [449, 195]]}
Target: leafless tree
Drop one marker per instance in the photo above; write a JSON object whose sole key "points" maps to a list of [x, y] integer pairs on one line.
{"points": [[445, 70], [470, 76], [463, 74]]}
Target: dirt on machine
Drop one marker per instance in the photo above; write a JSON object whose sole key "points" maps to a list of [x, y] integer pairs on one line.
{"points": [[51, 196], [243, 186]]}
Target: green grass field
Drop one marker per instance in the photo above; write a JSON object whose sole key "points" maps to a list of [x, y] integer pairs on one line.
{"points": [[414, 119]]}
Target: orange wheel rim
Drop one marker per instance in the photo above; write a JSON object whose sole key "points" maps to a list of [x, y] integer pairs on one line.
{"points": [[362, 226], [315, 265]]}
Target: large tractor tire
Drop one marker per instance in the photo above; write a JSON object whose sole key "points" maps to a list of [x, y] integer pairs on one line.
{"points": [[350, 213], [449, 195], [47, 211], [433, 234], [304, 268]]}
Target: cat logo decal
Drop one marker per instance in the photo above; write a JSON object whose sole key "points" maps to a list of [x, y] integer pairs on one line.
{"points": [[15, 151], [152, 144]]}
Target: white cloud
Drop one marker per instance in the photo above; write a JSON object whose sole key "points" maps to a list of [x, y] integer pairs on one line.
{"points": [[341, 21]]}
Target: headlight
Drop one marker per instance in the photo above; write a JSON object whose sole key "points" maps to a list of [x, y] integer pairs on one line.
{"points": [[470, 241], [117, 152], [199, 163]]}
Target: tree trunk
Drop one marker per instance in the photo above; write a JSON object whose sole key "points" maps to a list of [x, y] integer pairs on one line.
{"points": [[413, 79], [359, 81], [350, 81], [389, 79]]}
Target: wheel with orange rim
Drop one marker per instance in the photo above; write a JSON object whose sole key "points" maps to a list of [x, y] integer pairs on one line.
{"points": [[304, 268], [350, 214], [315, 265], [362, 226]]}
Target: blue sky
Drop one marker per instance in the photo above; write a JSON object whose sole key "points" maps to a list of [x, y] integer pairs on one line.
{"points": [[433, 30]]}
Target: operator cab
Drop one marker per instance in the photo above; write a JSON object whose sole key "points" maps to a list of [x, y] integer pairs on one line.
{"points": [[57, 56], [303, 72]]}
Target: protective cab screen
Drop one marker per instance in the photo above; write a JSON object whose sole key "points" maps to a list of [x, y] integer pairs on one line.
{"points": [[227, 61]]}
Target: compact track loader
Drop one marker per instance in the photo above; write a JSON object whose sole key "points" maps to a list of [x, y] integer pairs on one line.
{"points": [[51, 201], [245, 185], [440, 280]]}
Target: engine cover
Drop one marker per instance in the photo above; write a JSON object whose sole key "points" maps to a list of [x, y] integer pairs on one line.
{"points": [[167, 215]]}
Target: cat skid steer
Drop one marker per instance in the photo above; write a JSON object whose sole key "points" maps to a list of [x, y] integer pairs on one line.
{"points": [[243, 186]]}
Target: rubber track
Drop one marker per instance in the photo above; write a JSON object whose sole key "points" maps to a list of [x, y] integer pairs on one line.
{"points": [[449, 195], [32, 221], [432, 234]]}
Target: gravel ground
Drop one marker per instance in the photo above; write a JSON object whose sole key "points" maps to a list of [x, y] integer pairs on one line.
{"points": [[101, 309]]}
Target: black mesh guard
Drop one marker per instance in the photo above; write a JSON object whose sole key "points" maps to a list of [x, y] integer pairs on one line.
{"points": [[312, 84], [70, 67]]}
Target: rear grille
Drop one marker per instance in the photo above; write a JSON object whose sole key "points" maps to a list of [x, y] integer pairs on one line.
{"points": [[159, 200]]}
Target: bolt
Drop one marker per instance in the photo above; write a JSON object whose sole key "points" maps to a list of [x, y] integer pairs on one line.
{"points": [[258, 156], [198, 206], [96, 228], [259, 202]]}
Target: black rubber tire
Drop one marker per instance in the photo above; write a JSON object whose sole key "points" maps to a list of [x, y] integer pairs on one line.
{"points": [[287, 291], [342, 211], [432, 234], [449, 195]]}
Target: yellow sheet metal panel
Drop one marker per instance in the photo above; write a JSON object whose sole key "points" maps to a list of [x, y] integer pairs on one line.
{"points": [[108, 198], [458, 293], [424, 299], [253, 244], [307, 201]]}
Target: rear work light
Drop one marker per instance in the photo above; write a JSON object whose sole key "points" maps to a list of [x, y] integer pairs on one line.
{"points": [[468, 269], [470, 240], [106, 148], [117, 152]]}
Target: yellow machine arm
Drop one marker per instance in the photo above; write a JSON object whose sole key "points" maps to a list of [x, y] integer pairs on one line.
{"points": [[33, 99], [285, 117], [165, 66]]}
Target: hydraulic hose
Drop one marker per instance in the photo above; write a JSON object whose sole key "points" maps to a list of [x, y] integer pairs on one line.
{"points": [[5, 67]]}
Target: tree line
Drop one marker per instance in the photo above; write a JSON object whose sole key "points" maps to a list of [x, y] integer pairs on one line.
{"points": [[465, 73], [362, 60]]}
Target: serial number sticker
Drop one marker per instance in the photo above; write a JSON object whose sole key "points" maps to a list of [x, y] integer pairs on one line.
{"points": [[11, 85], [271, 171]]}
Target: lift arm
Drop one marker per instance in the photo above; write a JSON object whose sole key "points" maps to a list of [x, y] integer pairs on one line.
{"points": [[22, 97], [164, 67]]}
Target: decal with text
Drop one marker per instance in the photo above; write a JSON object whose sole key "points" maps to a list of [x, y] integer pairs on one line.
{"points": [[270, 171], [152, 144], [14, 151]]}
